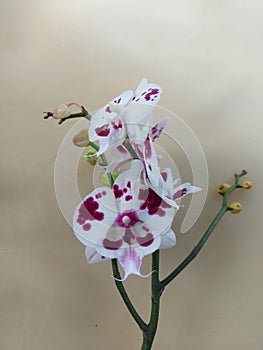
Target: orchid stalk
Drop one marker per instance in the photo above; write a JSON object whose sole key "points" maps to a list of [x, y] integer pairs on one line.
{"points": [[131, 216]]}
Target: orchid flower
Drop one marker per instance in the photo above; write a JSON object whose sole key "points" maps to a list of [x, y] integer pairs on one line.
{"points": [[126, 222], [144, 151], [129, 113], [167, 189]]}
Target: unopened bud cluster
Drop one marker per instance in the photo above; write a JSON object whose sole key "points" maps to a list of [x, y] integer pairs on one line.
{"points": [[225, 189]]}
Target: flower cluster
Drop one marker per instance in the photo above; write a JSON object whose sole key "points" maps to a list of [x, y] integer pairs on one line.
{"points": [[133, 217]]}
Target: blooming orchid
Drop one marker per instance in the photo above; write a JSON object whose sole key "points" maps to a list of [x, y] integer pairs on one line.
{"points": [[144, 151], [126, 222], [134, 217], [130, 220], [160, 182], [127, 114]]}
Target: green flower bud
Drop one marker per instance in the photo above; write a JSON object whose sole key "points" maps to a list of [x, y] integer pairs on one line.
{"points": [[223, 188], [246, 185], [235, 207], [90, 158]]}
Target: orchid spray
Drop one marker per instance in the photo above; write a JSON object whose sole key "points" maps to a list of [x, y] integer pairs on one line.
{"points": [[131, 215]]}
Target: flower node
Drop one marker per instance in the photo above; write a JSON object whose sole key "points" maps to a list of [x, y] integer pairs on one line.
{"points": [[235, 207], [223, 188], [246, 185]]}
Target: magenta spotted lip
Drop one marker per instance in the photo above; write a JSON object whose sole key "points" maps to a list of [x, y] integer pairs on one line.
{"points": [[127, 219]]}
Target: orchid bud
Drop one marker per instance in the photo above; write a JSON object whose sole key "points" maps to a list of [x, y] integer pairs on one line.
{"points": [[81, 139], [246, 185], [90, 158], [61, 112], [235, 207], [223, 188]]}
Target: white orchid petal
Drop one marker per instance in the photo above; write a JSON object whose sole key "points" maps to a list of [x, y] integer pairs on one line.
{"points": [[119, 102], [156, 217], [183, 190], [141, 86], [138, 132], [104, 112], [149, 157], [93, 256], [94, 216], [167, 178], [195, 189], [131, 258], [168, 240], [157, 129], [126, 186], [147, 93], [131, 262], [103, 146], [113, 136], [119, 158], [145, 99], [97, 123]]}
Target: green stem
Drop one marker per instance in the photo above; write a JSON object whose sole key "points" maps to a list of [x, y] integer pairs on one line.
{"points": [[125, 297], [149, 335], [93, 145], [201, 243], [102, 156]]}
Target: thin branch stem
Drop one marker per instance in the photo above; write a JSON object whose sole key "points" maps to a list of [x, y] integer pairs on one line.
{"points": [[194, 252], [125, 297], [155, 304], [201, 243]]}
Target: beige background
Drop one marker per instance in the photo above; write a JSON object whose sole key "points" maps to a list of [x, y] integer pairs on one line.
{"points": [[208, 57]]}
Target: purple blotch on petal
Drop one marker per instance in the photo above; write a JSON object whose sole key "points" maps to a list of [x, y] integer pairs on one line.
{"points": [[86, 227], [153, 93], [107, 109], [146, 240], [89, 210], [128, 236], [128, 198], [180, 193], [111, 245], [118, 193]]}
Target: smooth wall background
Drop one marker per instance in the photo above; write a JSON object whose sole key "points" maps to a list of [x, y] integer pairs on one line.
{"points": [[207, 55]]}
